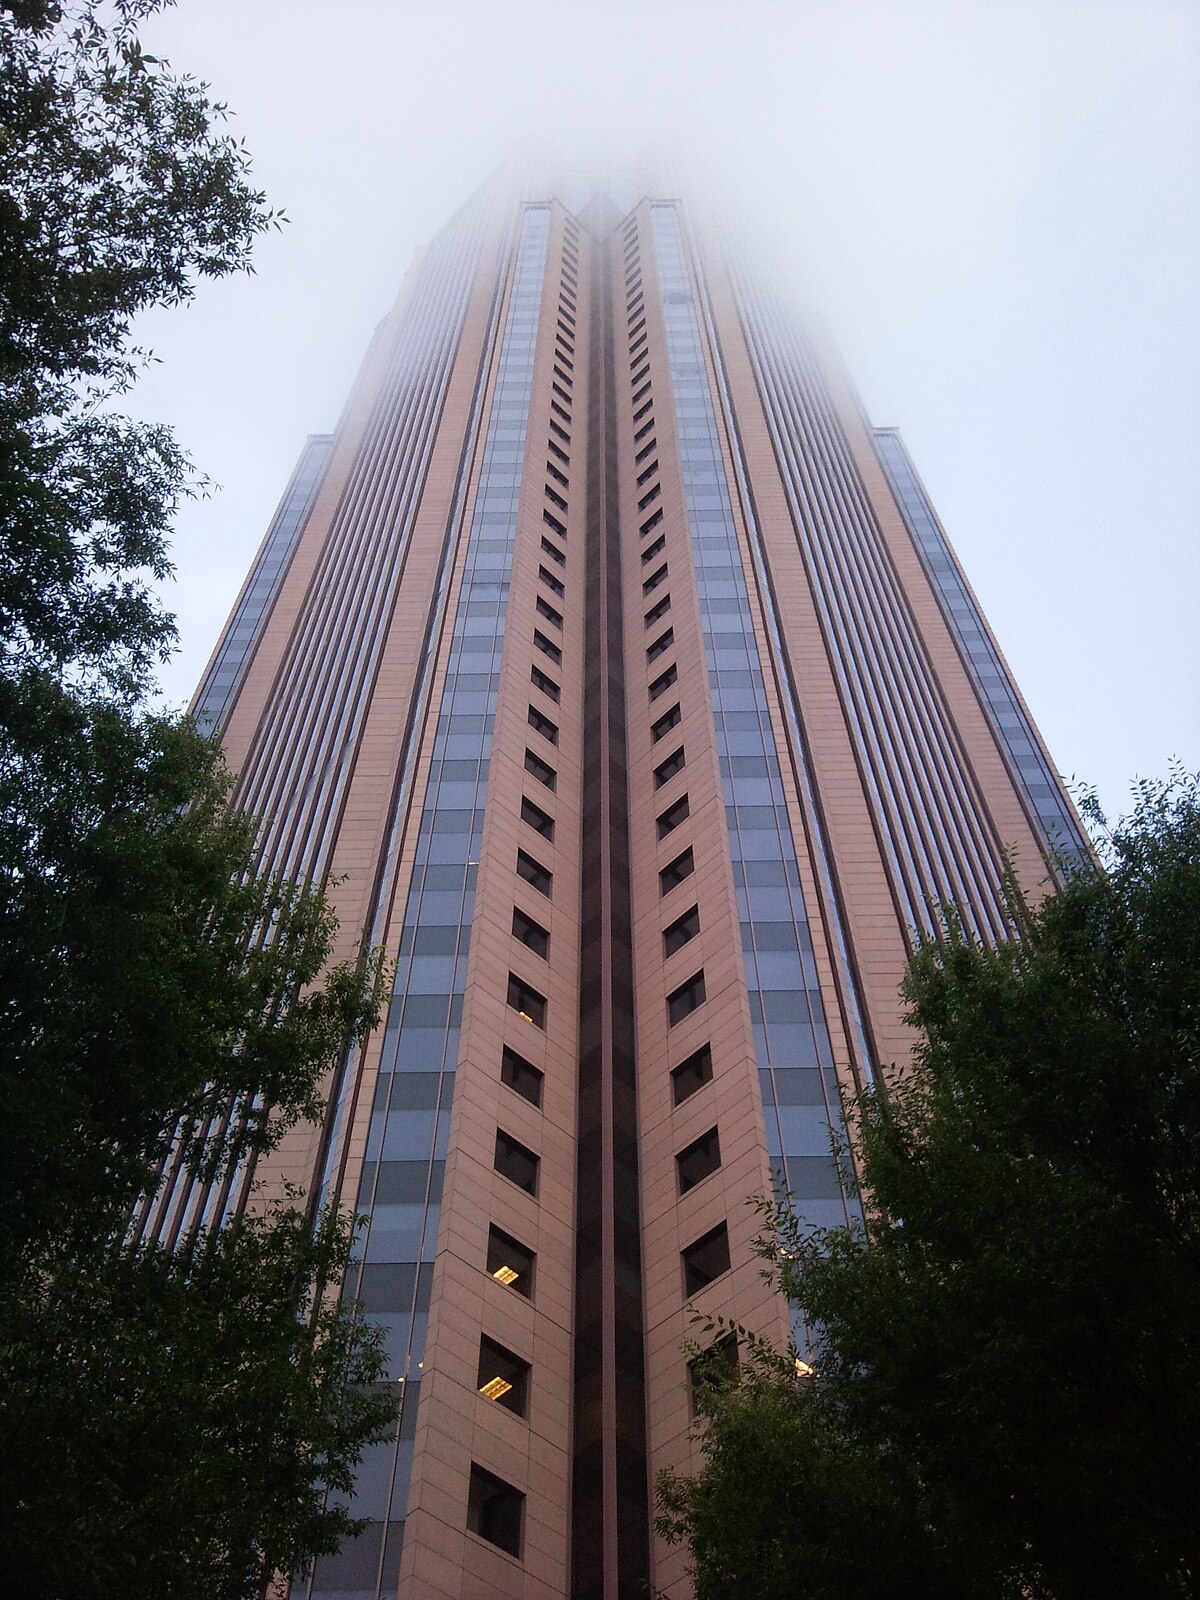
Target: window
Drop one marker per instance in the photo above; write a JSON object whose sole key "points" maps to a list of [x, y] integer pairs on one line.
{"points": [[638, 415], [533, 872], [538, 769], [558, 389], [707, 1259], [637, 328], [650, 496], [560, 455], [681, 931], [521, 1076], [555, 585], [540, 821], [641, 394], [643, 431], [530, 933], [692, 1073], [559, 373], [646, 449], [655, 549], [554, 552], [664, 681], [495, 1510], [670, 819], [651, 522], [666, 770], [503, 1377], [559, 412], [544, 682], [510, 1263], [552, 495], [515, 1162], [551, 521], [673, 874], [560, 433], [546, 610], [559, 477], [700, 1159], [655, 578], [638, 376], [543, 725], [657, 611], [660, 645], [681, 1002], [527, 1002], [713, 1368], [669, 719], [547, 646], [649, 471]]}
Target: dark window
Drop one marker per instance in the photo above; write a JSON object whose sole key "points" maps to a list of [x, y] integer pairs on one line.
{"points": [[558, 389], [539, 820], [646, 449], [644, 412], [555, 451], [692, 1073], [559, 412], [553, 496], [701, 1158], [637, 328], [559, 373], [657, 611], [514, 1161], [527, 1002], [503, 1377], [662, 643], [643, 431], [638, 376], [554, 552], [651, 522], [510, 1263], [560, 433], [565, 349], [533, 872], [538, 769], [713, 1368], [495, 1510], [542, 681], [650, 496], [632, 304], [642, 393], [530, 933], [672, 817], [555, 585], [552, 521], [521, 1075], [559, 477], [655, 578], [681, 1002], [546, 610], [666, 770], [681, 931], [643, 476], [664, 681], [707, 1259], [543, 725], [652, 550], [547, 646], [669, 719], [673, 874]]}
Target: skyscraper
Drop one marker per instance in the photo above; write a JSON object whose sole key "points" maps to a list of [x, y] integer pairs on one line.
{"points": [[618, 677]]}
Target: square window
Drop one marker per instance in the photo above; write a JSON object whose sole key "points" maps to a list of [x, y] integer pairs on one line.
{"points": [[530, 933], [660, 646], [503, 1377], [540, 821], [682, 931], [687, 998], [674, 873], [548, 611], [538, 769], [667, 769], [691, 1074], [521, 1076], [547, 646], [510, 1263], [552, 583], [672, 817], [664, 681], [655, 578], [706, 1259], [699, 1160], [526, 1001], [515, 1162], [543, 725], [554, 552], [657, 611], [544, 682], [534, 872], [495, 1510], [669, 719]]}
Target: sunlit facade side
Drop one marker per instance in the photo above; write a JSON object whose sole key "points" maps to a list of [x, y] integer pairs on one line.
{"points": [[618, 678]]}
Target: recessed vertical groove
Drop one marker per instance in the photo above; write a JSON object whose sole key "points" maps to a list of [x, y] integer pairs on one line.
{"points": [[609, 1501]]}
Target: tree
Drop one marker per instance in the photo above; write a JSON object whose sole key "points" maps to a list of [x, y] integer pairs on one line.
{"points": [[172, 1421], [1006, 1367]]}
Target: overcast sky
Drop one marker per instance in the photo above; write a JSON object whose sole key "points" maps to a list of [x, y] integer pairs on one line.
{"points": [[996, 206]]}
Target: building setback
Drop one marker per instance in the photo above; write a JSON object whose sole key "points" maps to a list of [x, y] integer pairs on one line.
{"points": [[618, 678]]}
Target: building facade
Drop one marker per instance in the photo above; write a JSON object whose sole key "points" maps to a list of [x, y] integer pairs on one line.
{"points": [[618, 677]]}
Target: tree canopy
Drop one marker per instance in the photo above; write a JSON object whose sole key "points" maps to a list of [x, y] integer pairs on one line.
{"points": [[1006, 1384]]}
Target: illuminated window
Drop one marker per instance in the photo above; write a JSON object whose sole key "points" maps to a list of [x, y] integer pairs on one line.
{"points": [[526, 1001], [510, 1263], [503, 1376]]}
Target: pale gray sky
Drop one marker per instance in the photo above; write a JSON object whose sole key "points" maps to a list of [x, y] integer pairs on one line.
{"points": [[996, 206]]}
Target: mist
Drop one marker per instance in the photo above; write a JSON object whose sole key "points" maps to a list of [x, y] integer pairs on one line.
{"points": [[996, 207]]}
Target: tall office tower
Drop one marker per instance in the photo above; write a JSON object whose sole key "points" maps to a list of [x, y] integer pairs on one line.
{"points": [[619, 679]]}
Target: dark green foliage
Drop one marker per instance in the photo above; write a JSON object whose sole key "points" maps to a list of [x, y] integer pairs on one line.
{"points": [[170, 1421], [1009, 1355]]}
